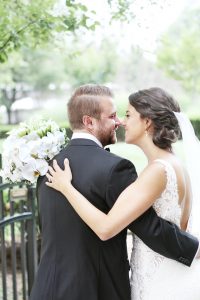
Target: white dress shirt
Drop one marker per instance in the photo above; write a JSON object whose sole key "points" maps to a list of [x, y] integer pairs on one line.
{"points": [[85, 135]]}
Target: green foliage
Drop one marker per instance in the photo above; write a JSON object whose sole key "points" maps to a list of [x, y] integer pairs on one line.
{"points": [[12, 81], [91, 64], [4, 129], [42, 67], [178, 54], [196, 125], [124, 10], [121, 9], [72, 64], [35, 70], [30, 23]]}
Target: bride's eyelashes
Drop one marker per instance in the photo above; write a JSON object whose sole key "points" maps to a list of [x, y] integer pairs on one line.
{"points": [[127, 115]]}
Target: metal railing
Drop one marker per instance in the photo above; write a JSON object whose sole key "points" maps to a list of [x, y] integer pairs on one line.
{"points": [[18, 240]]}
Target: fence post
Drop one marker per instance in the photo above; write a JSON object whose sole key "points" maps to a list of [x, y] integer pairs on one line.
{"points": [[24, 214], [2, 243], [32, 256]]}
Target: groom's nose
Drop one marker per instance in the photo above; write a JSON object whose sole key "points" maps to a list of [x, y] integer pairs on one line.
{"points": [[117, 122]]}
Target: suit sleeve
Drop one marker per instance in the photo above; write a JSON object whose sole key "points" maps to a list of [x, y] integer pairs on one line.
{"points": [[160, 235]]}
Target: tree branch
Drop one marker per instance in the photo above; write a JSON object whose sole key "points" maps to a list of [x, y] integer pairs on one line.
{"points": [[18, 32]]}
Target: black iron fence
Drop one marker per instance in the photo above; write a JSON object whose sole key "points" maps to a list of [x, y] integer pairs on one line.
{"points": [[18, 240]]}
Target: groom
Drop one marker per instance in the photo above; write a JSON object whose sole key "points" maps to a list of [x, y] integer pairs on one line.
{"points": [[75, 264]]}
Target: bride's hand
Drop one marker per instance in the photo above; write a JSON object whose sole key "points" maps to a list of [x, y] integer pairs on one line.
{"points": [[58, 178]]}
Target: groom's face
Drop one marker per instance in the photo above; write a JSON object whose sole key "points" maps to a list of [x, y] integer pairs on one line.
{"points": [[108, 123]]}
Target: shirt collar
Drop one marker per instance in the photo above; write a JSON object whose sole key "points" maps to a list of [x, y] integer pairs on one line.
{"points": [[85, 135]]}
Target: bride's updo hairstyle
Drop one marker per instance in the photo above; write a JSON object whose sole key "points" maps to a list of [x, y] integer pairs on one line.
{"points": [[158, 106]]}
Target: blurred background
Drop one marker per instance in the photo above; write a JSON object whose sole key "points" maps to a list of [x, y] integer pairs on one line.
{"points": [[49, 47]]}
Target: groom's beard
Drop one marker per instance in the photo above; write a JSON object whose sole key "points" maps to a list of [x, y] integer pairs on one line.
{"points": [[107, 137]]}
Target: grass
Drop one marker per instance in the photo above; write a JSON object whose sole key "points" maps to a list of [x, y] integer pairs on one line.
{"points": [[132, 153], [137, 157]]}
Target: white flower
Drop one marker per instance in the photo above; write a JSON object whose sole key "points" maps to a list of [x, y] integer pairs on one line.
{"points": [[28, 149], [24, 153], [33, 168]]}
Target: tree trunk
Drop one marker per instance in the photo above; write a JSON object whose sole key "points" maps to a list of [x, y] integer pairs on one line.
{"points": [[9, 115]]}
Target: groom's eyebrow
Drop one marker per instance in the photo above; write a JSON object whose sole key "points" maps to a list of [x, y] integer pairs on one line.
{"points": [[114, 113]]}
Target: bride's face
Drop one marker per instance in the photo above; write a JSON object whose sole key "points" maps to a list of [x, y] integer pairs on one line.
{"points": [[134, 125]]}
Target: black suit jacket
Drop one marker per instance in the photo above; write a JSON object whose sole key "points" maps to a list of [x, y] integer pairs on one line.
{"points": [[75, 264]]}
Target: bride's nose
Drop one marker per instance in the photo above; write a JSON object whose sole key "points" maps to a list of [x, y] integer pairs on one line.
{"points": [[123, 123]]}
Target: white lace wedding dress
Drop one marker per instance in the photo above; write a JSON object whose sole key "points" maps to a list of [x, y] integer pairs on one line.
{"points": [[155, 277]]}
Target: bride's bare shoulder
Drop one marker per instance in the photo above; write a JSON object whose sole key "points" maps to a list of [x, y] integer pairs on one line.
{"points": [[154, 172]]}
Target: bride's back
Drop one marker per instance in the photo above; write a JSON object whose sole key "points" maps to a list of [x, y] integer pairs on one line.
{"points": [[184, 191]]}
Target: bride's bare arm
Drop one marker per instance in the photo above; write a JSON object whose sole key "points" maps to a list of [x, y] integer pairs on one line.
{"points": [[131, 203]]}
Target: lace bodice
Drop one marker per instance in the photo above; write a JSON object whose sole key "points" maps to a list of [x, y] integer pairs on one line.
{"points": [[167, 206], [144, 261]]}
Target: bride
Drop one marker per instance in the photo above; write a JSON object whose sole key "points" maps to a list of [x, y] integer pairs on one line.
{"points": [[153, 122]]}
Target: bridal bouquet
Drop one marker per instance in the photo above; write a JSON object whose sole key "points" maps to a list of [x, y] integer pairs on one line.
{"points": [[28, 149]]}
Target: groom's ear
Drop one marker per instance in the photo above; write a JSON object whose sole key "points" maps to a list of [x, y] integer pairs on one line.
{"points": [[87, 121]]}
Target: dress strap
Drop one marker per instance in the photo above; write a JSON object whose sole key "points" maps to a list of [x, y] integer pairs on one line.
{"points": [[168, 165], [164, 162], [170, 173]]}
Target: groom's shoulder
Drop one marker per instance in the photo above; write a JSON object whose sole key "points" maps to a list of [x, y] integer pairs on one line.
{"points": [[107, 158], [113, 158], [115, 165]]}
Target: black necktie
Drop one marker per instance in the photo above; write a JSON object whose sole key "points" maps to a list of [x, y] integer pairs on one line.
{"points": [[107, 149]]}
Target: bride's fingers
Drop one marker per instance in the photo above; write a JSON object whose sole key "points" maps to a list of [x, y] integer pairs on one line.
{"points": [[66, 163], [56, 166], [51, 170], [49, 177]]}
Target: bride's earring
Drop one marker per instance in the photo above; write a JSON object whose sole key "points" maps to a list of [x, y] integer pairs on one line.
{"points": [[146, 132]]}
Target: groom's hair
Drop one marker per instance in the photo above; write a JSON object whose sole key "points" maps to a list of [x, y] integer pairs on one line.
{"points": [[86, 100]]}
